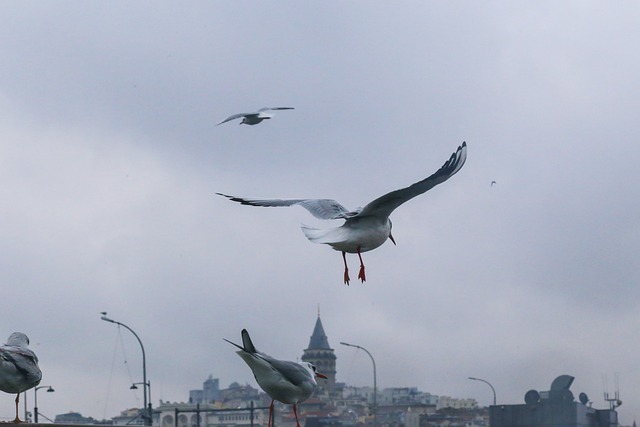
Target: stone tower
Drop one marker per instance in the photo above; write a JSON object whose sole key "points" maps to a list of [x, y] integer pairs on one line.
{"points": [[322, 356]]}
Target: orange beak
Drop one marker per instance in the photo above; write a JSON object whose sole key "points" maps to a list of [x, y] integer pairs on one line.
{"points": [[319, 375]]}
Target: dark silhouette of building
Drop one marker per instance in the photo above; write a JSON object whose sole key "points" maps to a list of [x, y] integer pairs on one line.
{"points": [[73, 418], [210, 391], [554, 408], [322, 356]]}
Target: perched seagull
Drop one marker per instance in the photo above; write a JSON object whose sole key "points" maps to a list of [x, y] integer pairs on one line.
{"points": [[365, 228], [19, 369], [254, 118], [286, 382]]}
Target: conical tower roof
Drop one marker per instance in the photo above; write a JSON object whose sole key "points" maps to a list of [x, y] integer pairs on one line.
{"points": [[318, 339]]}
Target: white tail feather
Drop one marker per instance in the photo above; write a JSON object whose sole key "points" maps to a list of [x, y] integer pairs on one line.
{"points": [[314, 234]]}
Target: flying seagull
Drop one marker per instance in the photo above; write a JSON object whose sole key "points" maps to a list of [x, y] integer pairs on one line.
{"points": [[286, 382], [366, 228], [254, 118], [19, 369]]}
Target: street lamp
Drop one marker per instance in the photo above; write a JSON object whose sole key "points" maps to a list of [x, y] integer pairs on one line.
{"points": [[375, 382], [146, 411], [488, 383], [134, 386], [35, 400]]}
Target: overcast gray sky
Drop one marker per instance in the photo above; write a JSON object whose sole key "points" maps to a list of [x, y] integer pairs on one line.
{"points": [[110, 160]]}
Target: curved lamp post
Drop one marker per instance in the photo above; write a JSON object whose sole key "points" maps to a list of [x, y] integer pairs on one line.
{"points": [[146, 411], [375, 382], [489, 384], [35, 400]]}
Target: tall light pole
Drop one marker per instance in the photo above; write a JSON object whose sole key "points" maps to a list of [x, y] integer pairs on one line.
{"points": [[375, 382], [488, 383], [146, 411], [35, 400]]}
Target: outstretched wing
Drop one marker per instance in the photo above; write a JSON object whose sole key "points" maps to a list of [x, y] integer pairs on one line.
{"points": [[383, 206], [257, 113], [320, 208], [233, 117], [274, 108]]}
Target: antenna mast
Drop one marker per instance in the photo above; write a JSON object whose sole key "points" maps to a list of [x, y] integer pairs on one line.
{"points": [[614, 401]]}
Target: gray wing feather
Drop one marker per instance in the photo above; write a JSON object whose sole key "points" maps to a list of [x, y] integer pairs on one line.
{"points": [[22, 358], [235, 116], [257, 113], [320, 208], [383, 206], [293, 372], [274, 108], [325, 208]]}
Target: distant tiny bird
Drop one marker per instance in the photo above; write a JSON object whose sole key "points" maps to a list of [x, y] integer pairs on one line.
{"points": [[493, 183], [366, 228], [254, 118], [286, 382], [19, 369]]}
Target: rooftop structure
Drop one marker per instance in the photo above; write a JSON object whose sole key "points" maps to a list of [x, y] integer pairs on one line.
{"points": [[555, 407]]}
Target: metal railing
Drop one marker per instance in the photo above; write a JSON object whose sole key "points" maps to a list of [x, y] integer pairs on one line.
{"points": [[251, 409]]}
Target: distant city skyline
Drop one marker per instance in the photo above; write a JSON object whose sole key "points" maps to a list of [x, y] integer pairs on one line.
{"points": [[318, 351]]}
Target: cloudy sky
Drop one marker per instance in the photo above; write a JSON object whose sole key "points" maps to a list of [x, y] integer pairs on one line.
{"points": [[110, 159]]}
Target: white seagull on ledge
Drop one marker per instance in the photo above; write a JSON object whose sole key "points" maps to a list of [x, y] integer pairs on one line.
{"points": [[286, 382], [19, 369], [367, 228], [254, 118]]}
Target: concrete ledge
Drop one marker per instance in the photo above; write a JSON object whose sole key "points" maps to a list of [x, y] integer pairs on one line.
{"points": [[23, 424]]}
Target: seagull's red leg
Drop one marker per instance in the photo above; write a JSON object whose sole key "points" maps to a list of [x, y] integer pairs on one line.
{"points": [[17, 420], [295, 412], [361, 272], [346, 269], [270, 413]]}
